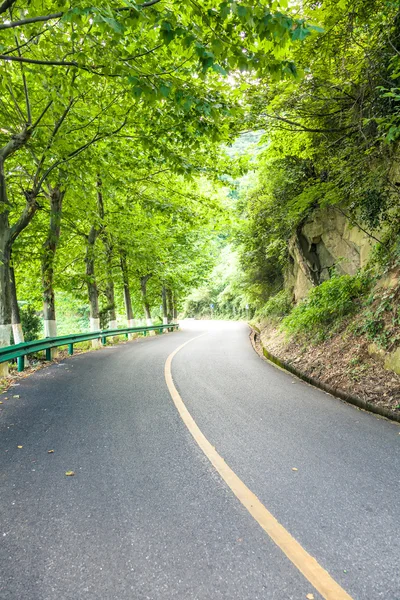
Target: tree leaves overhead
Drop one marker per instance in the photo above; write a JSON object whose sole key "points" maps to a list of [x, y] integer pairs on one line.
{"points": [[153, 39]]}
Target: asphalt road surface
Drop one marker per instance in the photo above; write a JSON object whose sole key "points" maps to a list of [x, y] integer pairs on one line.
{"points": [[147, 517]]}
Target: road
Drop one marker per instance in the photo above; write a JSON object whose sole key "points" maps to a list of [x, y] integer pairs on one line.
{"points": [[148, 517]]}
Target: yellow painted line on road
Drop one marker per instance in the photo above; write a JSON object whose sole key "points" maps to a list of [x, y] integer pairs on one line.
{"points": [[302, 560]]}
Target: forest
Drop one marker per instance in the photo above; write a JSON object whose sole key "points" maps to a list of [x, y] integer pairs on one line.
{"points": [[195, 158]]}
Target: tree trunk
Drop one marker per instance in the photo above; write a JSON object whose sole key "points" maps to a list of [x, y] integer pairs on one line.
{"points": [[18, 333], [7, 237], [5, 255], [91, 283], [175, 309], [127, 292], [164, 305], [109, 291], [146, 305], [170, 308], [47, 263], [5, 296], [93, 291]]}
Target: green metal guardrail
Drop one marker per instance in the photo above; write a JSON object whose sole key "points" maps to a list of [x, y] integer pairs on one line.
{"points": [[19, 351]]}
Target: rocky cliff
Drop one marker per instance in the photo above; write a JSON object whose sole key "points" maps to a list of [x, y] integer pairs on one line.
{"points": [[325, 241]]}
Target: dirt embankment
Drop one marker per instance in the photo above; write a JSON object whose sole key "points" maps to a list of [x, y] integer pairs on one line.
{"points": [[343, 362]]}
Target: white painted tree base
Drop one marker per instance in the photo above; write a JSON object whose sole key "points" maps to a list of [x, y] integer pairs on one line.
{"points": [[5, 336], [131, 323], [112, 325], [4, 369], [95, 326], [149, 323], [18, 335], [50, 330], [165, 320]]}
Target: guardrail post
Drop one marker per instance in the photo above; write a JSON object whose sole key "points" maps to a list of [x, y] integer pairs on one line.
{"points": [[48, 353], [104, 340], [21, 363], [144, 333], [70, 349], [127, 336]]}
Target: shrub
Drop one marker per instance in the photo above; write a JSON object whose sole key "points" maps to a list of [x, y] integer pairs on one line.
{"points": [[277, 306], [326, 305], [31, 323]]}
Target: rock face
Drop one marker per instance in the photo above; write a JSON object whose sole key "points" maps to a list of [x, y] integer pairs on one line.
{"points": [[327, 240], [392, 361]]}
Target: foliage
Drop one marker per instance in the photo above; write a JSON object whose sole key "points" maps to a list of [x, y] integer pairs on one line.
{"points": [[223, 294], [276, 308], [380, 319], [72, 314], [330, 140], [325, 306], [31, 322]]}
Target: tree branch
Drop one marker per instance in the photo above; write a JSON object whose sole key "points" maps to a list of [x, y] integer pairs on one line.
{"points": [[143, 53], [33, 61], [301, 127], [33, 37], [59, 63], [27, 103], [31, 20], [26, 217], [17, 141], [57, 126], [44, 111], [75, 153], [6, 5]]}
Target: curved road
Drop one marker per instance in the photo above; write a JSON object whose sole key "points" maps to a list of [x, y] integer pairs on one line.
{"points": [[147, 517]]}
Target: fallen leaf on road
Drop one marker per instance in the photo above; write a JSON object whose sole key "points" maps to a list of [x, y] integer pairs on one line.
{"points": [[294, 469], [1, 402], [16, 396], [50, 451], [69, 473], [19, 447], [310, 596]]}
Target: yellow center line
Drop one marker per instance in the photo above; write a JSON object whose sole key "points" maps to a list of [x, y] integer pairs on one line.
{"points": [[303, 561]]}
